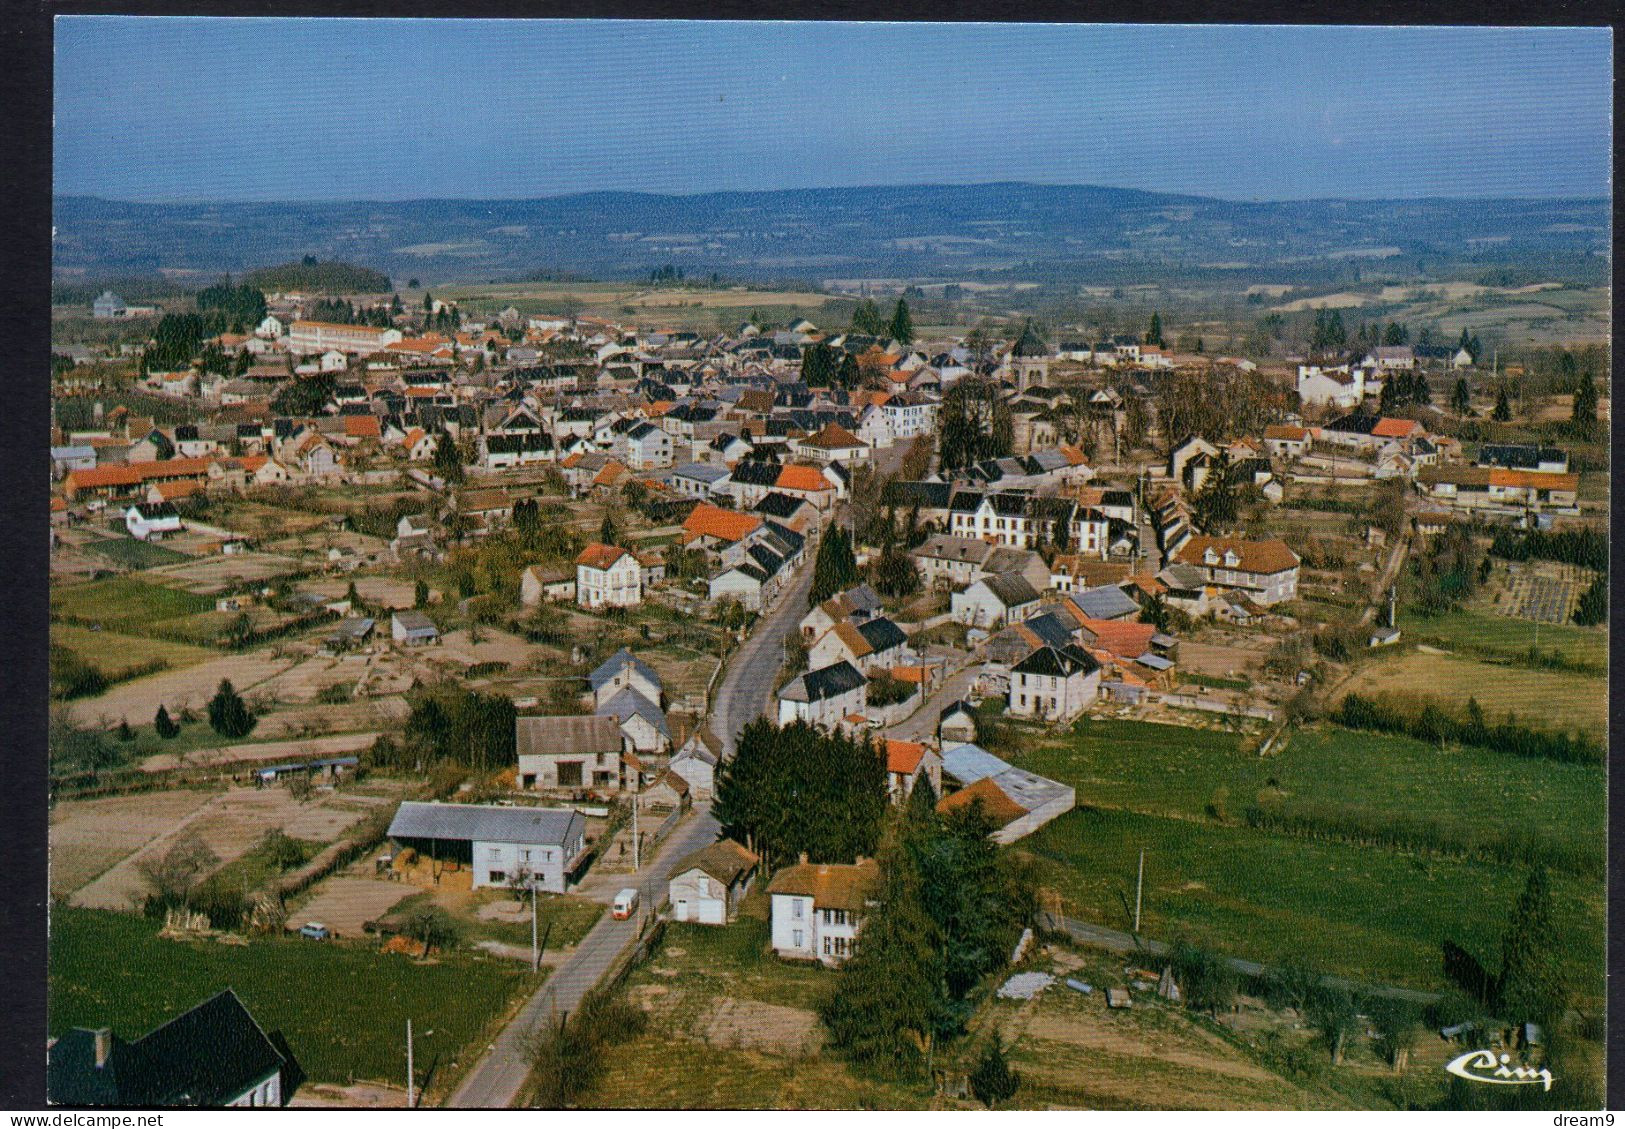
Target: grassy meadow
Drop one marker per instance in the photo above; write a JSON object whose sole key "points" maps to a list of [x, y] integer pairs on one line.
{"points": [[343, 1010], [1376, 912]]}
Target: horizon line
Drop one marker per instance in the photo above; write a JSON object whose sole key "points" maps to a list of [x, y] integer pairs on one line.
{"points": [[577, 193]]}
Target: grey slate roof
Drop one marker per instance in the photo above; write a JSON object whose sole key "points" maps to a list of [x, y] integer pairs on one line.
{"points": [[882, 634], [1106, 602], [823, 683], [1058, 662], [628, 702], [206, 1056], [611, 666], [1010, 589], [554, 827], [537, 736]]}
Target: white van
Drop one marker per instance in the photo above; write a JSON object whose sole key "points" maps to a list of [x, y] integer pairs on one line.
{"points": [[626, 904]]}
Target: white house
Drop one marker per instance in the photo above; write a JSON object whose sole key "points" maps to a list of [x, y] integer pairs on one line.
{"points": [[1266, 570], [818, 909], [994, 601], [539, 847], [823, 697], [608, 576], [1054, 684], [1337, 387], [152, 521], [708, 885], [621, 670]]}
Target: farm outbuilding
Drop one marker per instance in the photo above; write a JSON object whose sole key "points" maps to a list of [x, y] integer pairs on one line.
{"points": [[542, 847], [709, 884]]}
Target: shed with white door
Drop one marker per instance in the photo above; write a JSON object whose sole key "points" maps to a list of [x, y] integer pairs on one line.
{"points": [[709, 884]]}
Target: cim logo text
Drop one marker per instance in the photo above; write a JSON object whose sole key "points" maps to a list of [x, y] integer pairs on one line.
{"points": [[1498, 1070]]}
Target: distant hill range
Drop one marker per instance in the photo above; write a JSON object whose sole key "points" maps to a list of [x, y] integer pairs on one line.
{"points": [[987, 232]]}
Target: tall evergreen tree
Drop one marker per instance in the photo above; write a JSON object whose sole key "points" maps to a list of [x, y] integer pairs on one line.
{"points": [[229, 715], [866, 319], [835, 569], [974, 423], [846, 373], [993, 1081], [887, 1004], [818, 365], [1531, 987], [902, 325], [1461, 399], [1153, 336], [1585, 405], [1503, 406], [164, 725]]}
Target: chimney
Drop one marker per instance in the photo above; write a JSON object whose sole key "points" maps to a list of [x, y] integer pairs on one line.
{"points": [[803, 858], [104, 1045]]}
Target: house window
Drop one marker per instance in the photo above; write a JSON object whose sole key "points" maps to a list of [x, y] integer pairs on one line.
{"points": [[795, 911], [569, 774], [795, 938], [494, 853], [499, 876], [524, 854], [826, 946]]}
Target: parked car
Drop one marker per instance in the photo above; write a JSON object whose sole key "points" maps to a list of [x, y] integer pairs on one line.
{"points": [[315, 930], [626, 904]]}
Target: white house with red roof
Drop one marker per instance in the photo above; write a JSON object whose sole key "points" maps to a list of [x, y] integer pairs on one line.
{"points": [[608, 576]]}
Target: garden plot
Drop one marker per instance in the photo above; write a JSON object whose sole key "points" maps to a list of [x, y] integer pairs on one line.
{"points": [[752, 1025], [346, 902], [375, 591], [262, 752], [89, 836], [138, 701], [229, 824], [215, 574]]}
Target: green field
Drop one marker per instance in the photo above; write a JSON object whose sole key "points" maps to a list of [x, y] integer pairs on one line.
{"points": [[343, 1010], [1371, 911], [131, 553], [126, 602], [1372, 914], [1168, 770], [1496, 635], [114, 652], [1551, 699]]}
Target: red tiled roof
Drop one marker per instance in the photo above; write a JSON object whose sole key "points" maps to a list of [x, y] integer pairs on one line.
{"points": [[362, 427], [600, 556], [1387, 428], [724, 525], [998, 806], [796, 477], [1255, 556], [832, 436], [903, 757], [1286, 431], [1123, 638]]}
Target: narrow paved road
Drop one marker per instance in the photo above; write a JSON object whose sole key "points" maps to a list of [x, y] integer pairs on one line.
{"points": [[922, 723], [1098, 936], [496, 1080], [745, 693], [746, 690]]}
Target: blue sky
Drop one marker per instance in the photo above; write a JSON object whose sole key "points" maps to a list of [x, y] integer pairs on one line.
{"points": [[305, 109]]}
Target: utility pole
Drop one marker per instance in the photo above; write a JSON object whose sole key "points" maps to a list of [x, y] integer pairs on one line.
{"points": [[535, 956], [1139, 887], [411, 1081], [636, 842]]}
